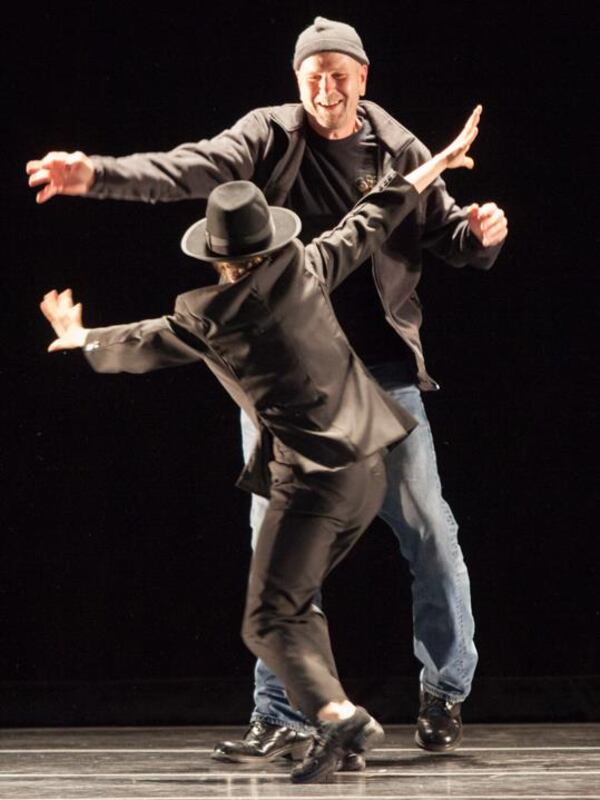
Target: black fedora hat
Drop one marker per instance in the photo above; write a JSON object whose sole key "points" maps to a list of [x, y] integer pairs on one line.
{"points": [[239, 225]]}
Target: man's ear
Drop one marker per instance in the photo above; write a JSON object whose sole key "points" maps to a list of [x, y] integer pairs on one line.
{"points": [[362, 79]]}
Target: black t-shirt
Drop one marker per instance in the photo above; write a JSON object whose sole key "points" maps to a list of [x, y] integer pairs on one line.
{"points": [[333, 175]]}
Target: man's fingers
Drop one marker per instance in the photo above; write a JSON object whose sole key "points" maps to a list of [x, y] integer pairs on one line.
{"points": [[44, 309], [487, 221], [65, 301], [49, 304], [50, 298], [54, 160], [494, 236], [492, 222], [48, 310], [486, 209], [51, 182], [46, 193], [41, 175], [33, 166], [490, 225], [65, 319], [496, 233], [55, 156], [54, 305], [53, 295], [47, 169]]}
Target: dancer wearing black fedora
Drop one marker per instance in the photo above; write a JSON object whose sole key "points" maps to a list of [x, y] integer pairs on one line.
{"points": [[268, 332]]}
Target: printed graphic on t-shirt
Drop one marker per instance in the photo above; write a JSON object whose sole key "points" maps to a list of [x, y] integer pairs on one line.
{"points": [[364, 183]]}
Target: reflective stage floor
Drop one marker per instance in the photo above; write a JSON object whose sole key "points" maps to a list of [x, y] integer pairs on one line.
{"points": [[494, 761]]}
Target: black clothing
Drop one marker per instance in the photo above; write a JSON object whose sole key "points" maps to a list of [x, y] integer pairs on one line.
{"points": [[267, 147], [333, 176], [313, 520], [273, 341]]}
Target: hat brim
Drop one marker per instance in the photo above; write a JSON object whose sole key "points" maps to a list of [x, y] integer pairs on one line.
{"points": [[286, 224]]}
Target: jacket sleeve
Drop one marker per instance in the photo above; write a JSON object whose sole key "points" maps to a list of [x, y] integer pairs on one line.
{"points": [[142, 346], [336, 253], [445, 230], [189, 171]]}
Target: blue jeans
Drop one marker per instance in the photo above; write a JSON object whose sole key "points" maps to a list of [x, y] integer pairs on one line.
{"points": [[417, 513]]}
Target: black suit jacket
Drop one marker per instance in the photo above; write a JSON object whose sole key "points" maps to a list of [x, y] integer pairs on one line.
{"points": [[273, 341]]}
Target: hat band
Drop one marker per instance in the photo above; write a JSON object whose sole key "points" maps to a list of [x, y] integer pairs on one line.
{"points": [[238, 247]]}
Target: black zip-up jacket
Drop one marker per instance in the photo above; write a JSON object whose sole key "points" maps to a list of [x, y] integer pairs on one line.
{"points": [[266, 146]]}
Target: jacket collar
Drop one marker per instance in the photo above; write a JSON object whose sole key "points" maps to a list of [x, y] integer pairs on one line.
{"points": [[394, 136]]}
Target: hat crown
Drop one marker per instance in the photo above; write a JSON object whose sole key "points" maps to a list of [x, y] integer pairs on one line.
{"points": [[238, 220], [329, 35]]}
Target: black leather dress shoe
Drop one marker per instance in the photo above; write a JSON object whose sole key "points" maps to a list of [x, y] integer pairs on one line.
{"points": [[264, 742], [333, 744], [439, 726]]}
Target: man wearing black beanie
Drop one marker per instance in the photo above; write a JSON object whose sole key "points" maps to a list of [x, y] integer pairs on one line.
{"points": [[318, 158]]}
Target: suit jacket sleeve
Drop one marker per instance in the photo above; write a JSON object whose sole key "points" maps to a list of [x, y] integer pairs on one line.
{"points": [[142, 346], [336, 253], [191, 170]]}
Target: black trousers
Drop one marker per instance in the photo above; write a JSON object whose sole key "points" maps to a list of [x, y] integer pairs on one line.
{"points": [[314, 518]]}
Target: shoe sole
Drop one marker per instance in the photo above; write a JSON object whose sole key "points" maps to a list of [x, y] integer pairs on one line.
{"points": [[355, 766], [438, 748], [325, 775]]}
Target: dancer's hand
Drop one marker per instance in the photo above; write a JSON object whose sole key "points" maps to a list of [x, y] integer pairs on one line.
{"points": [[451, 157], [455, 154], [61, 173], [65, 318]]}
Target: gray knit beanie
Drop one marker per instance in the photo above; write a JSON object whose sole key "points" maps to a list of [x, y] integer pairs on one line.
{"points": [[327, 34]]}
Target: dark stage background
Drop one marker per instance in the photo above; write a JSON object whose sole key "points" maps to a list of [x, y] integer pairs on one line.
{"points": [[124, 544]]}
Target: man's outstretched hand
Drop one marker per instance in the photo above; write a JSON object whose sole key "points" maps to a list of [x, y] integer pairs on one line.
{"points": [[488, 223], [60, 173], [65, 318]]}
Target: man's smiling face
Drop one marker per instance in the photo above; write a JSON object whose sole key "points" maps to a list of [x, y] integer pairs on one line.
{"points": [[330, 87]]}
